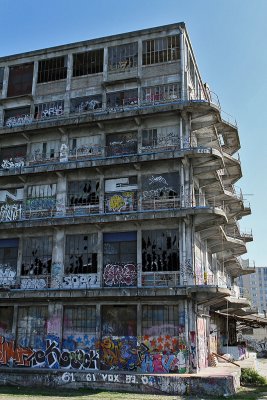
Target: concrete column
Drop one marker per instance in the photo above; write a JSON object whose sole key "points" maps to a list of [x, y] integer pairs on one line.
{"points": [[139, 321], [105, 64], [19, 260], [35, 77], [15, 319], [101, 194], [182, 57], [140, 56], [100, 266], [98, 327], [139, 257], [68, 84], [61, 198], [55, 320], [5, 82], [57, 270]]}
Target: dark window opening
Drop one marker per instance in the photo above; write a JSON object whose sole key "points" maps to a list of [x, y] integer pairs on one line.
{"points": [[121, 143], [6, 321], [13, 156], [154, 94], [119, 320], [164, 186], [83, 193], [2, 69], [122, 99], [88, 63], [149, 137], [161, 50], [49, 110], [123, 57], [20, 80], [52, 69], [83, 104], [81, 254], [160, 251], [120, 248], [36, 256]]}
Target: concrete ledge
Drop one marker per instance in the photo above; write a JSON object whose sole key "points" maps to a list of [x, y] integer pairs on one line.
{"points": [[219, 384]]}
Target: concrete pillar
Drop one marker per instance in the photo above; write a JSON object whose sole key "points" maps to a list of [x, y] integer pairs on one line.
{"points": [[57, 270], [139, 321], [105, 64], [101, 194], [139, 257], [68, 84], [19, 260], [5, 82], [35, 77], [55, 320], [100, 266], [61, 198]]}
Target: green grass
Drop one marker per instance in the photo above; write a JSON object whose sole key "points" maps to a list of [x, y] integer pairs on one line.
{"points": [[23, 393]]}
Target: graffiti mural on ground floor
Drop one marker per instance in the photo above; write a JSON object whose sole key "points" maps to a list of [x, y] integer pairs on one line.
{"points": [[162, 354]]}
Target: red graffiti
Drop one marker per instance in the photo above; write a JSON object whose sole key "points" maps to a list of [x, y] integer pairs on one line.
{"points": [[19, 356]]}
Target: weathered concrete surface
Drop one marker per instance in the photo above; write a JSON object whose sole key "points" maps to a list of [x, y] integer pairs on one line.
{"points": [[221, 382]]}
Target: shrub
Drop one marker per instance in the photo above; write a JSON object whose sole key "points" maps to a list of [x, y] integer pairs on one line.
{"points": [[250, 376]]}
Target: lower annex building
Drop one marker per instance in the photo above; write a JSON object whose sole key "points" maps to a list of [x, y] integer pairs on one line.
{"points": [[119, 234]]}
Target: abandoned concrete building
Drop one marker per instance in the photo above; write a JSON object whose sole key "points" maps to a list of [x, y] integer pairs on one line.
{"points": [[119, 216]]}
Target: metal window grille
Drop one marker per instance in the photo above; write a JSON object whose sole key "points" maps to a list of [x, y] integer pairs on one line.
{"points": [[161, 50], [49, 110], [123, 57], [52, 69], [15, 154], [149, 137], [119, 320], [160, 93], [79, 322], [90, 62], [37, 256], [160, 251], [121, 252], [83, 104], [121, 143], [17, 116], [41, 197], [161, 320], [81, 254], [32, 326]]}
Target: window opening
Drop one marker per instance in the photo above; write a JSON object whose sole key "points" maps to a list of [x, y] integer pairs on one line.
{"points": [[20, 80], [123, 57], [36, 256], [121, 194], [127, 98], [154, 94], [119, 320], [84, 104], [161, 320], [81, 254], [161, 50], [121, 143], [49, 110], [83, 193], [90, 62], [52, 69], [32, 326], [17, 117], [79, 327]]}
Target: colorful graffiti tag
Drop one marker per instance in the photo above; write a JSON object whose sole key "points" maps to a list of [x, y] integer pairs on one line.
{"points": [[120, 275]]}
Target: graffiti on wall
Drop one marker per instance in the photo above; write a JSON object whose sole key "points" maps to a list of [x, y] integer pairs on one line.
{"points": [[121, 201], [83, 104], [82, 281], [12, 163], [50, 356], [33, 283], [10, 212], [7, 275], [163, 186], [20, 120], [49, 110], [120, 275]]}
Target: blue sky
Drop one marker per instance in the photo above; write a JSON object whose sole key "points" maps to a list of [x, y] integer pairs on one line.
{"points": [[229, 40]]}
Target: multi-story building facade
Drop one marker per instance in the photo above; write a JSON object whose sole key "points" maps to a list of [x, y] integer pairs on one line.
{"points": [[254, 287], [119, 216]]}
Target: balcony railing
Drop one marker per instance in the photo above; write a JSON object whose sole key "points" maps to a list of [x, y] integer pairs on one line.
{"points": [[114, 276], [131, 203], [185, 97]]}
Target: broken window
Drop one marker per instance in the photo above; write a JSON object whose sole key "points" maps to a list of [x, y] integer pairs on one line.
{"points": [[41, 197], [36, 256], [44, 151], [126, 98], [52, 69], [13, 157], [8, 261], [6, 321], [161, 320], [90, 62], [79, 327], [20, 80], [32, 326], [121, 194], [83, 193], [2, 69], [123, 57], [121, 143], [161, 186], [88, 103], [49, 110], [154, 94], [119, 320], [81, 254], [161, 50], [160, 251], [17, 117], [11, 204], [85, 146], [153, 138]]}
